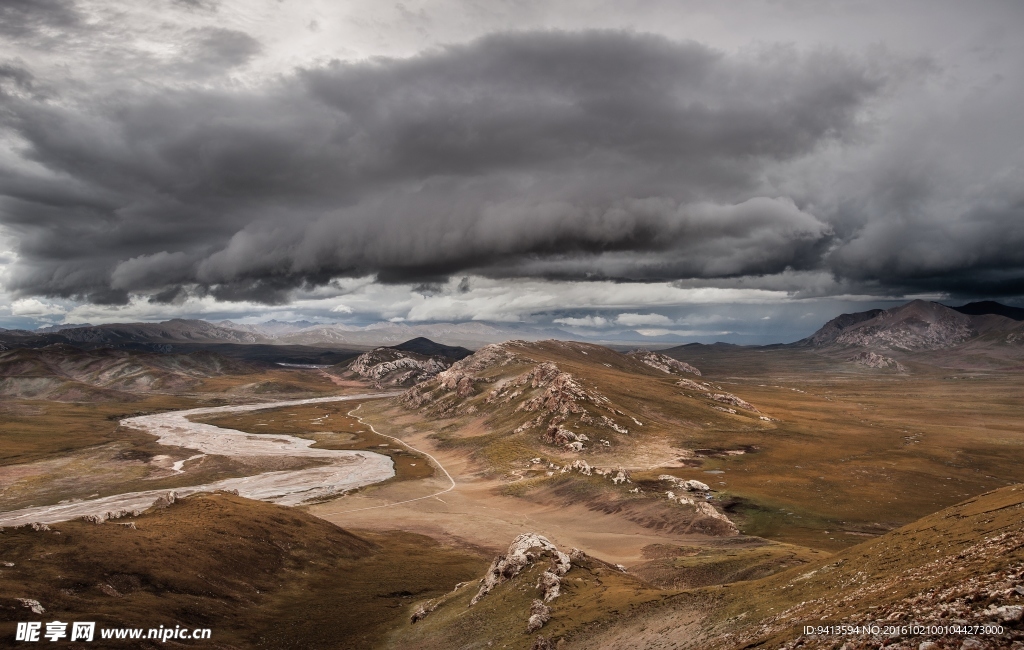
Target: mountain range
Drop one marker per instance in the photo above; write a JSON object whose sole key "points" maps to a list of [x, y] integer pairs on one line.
{"points": [[916, 326]]}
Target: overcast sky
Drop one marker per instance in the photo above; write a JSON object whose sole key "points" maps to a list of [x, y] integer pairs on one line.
{"points": [[718, 170]]}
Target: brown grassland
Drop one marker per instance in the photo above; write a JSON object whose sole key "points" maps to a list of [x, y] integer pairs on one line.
{"points": [[260, 575], [842, 489]]}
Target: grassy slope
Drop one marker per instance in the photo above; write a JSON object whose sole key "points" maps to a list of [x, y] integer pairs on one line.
{"points": [[259, 575], [950, 566], [945, 568], [592, 591]]}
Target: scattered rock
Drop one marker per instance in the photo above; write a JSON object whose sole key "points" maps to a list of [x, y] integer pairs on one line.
{"points": [[166, 500], [611, 424], [542, 643], [1008, 613], [38, 527], [424, 609], [539, 615], [33, 605], [725, 398], [873, 360]]}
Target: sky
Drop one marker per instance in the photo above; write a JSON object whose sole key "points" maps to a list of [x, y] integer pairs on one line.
{"points": [[694, 169]]}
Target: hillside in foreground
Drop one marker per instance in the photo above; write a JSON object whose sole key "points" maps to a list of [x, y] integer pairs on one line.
{"points": [[958, 568], [259, 575]]}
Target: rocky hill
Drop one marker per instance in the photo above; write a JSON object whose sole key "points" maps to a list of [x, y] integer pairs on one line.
{"points": [[405, 364], [920, 326], [394, 367], [555, 390], [569, 422]]}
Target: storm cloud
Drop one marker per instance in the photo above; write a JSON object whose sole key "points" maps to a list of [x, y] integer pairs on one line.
{"points": [[517, 154], [574, 155]]}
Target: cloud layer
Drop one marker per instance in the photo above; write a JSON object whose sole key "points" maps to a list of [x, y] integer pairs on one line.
{"points": [[574, 155], [595, 154]]}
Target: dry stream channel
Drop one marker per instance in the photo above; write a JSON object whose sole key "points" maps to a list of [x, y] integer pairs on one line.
{"points": [[345, 470]]}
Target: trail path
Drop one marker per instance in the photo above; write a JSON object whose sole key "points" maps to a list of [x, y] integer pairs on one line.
{"points": [[411, 448]]}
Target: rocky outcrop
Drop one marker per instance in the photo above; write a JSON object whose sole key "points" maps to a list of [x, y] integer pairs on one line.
{"points": [[459, 379], [663, 362], [523, 552], [688, 485], [725, 398], [703, 509], [874, 360], [729, 398], [100, 518], [391, 367]]}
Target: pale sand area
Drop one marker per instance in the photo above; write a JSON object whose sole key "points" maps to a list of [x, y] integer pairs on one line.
{"points": [[470, 513], [346, 470]]}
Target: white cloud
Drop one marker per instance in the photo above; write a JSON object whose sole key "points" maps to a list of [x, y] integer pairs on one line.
{"points": [[665, 332], [35, 308], [634, 320], [586, 321]]}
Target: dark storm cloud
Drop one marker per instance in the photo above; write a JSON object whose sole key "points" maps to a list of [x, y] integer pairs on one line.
{"points": [[554, 154]]}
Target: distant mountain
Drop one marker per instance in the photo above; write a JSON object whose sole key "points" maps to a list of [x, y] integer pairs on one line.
{"points": [[65, 373], [919, 325], [469, 335], [991, 307], [269, 329], [156, 337], [835, 327], [426, 347], [452, 340]]}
